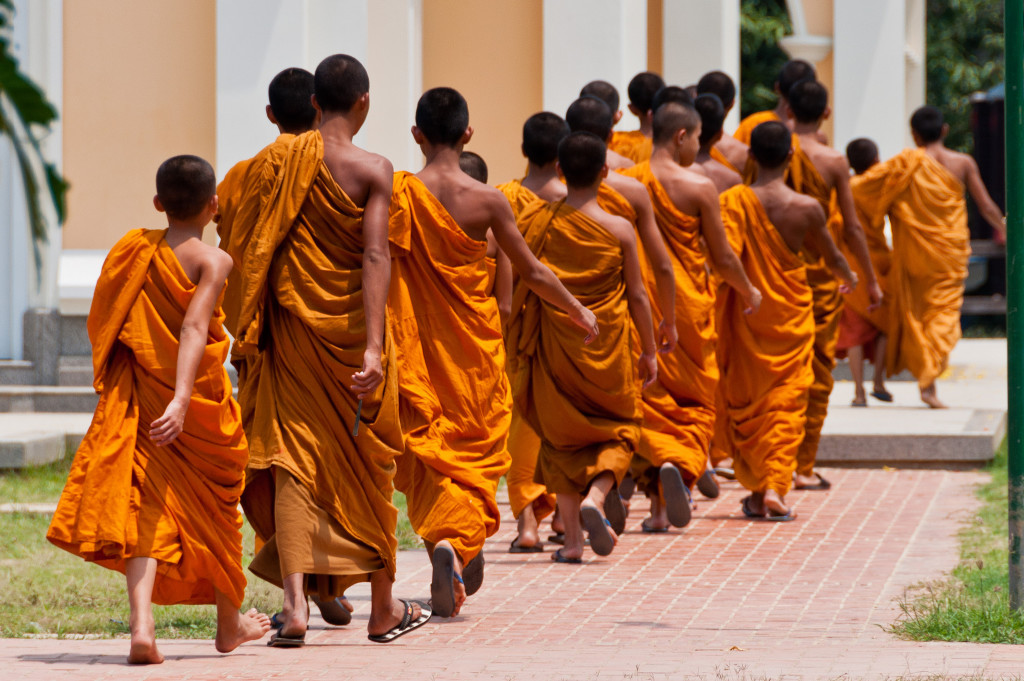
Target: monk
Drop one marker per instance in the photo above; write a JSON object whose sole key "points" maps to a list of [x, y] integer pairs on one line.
{"points": [[766, 368], [325, 430], [728, 150], [823, 174], [607, 93], [922, 190], [627, 198], [582, 401], [861, 325], [153, 491], [679, 408], [454, 392], [716, 167], [529, 500], [498, 266], [791, 73], [636, 145]]}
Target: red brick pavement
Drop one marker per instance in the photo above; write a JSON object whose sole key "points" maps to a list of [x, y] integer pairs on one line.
{"points": [[724, 599]]}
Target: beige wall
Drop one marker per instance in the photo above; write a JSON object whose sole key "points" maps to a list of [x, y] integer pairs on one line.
{"points": [[819, 16], [655, 39], [139, 87], [491, 52]]}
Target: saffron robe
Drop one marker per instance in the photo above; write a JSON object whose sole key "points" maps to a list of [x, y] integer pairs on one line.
{"points": [[302, 322], [456, 403], [766, 356], [747, 125], [634, 145], [125, 497]]}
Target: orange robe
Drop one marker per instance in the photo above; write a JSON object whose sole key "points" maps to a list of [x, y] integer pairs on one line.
{"points": [[319, 495], [747, 125], [721, 442], [931, 246], [581, 399], [634, 145], [859, 325], [828, 304], [523, 441], [679, 408], [125, 497], [456, 402], [766, 356]]}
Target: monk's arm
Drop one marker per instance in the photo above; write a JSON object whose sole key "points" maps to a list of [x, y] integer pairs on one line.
{"points": [[639, 305], [503, 286], [822, 243], [195, 328], [536, 276], [853, 234], [986, 206], [664, 274], [376, 278], [723, 258]]}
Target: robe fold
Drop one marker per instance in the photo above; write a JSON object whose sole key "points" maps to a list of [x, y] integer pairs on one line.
{"points": [[747, 125], [679, 407], [303, 323], [634, 145], [523, 441], [931, 246], [721, 441], [721, 158], [828, 302], [766, 356], [125, 497], [456, 403], [580, 399]]}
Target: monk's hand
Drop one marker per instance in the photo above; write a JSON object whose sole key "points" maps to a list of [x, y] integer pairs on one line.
{"points": [[848, 285], [648, 366], [875, 295], [165, 429], [587, 320], [753, 300], [668, 337], [366, 381]]}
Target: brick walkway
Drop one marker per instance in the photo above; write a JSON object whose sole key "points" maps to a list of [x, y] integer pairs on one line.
{"points": [[725, 599]]}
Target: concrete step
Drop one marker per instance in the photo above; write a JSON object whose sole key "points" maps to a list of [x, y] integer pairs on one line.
{"points": [[36, 439], [17, 372], [31, 398], [75, 370]]}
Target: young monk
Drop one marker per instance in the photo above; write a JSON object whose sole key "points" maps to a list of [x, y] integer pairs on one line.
{"points": [[766, 369], [712, 115], [636, 145], [529, 500], [922, 190], [728, 150], [679, 408], [154, 488], [582, 401], [607, 93], [325, 431], [824, 174], [455, 397], [791, 73], [862, 325]]}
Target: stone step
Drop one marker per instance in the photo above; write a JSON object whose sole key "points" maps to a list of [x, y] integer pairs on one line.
{"points": [[75, 370], [74, 338], [36, 439], [17, 372], [30, 398]]}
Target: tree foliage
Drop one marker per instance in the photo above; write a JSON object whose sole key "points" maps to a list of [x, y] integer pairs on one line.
{"points": [[762, 25]]}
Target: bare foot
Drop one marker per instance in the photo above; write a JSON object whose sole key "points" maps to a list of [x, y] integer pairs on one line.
{"points": [[144, 651], [929, 397], [659, 516], [805, 481], [774, 504], [527, 526], [382, 623], [557, 526], [250, 626]]}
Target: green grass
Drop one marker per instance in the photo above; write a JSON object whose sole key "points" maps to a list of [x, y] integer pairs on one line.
{"points": [[973, 604], [44, 590]]}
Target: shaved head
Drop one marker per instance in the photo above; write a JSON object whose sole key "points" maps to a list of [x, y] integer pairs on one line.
{"points": [[340, 80], [791, 73], [590, 114], [289, 97], [581, 156], [770, 143], [442, 115], [712, 115], [541, 134], [671, 93], [473, 165], [862, 153], [927, 122], [672, 117], [642, 88], [184, 185], [720, 84], [604, 91], [808, 100]]}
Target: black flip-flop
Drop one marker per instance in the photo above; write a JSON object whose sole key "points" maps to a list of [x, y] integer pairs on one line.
{"points": [[333, 612], [473, 574], [275, 620], [615, 511], [279, 640], [822, 485], [678, 503], [557, 538], [599, 531], [557, 557], [747, 511], [882, 395], [647, 529], [406, 625], [516, 548], [707, 485], [442, 590], [772, 518], [725, 472]]}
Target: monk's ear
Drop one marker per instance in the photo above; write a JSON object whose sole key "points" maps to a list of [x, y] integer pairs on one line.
{"points": [[213, 204], [364, 101], [270, 115], [312, 100], [633, 110], [417, 135], [158, 204], [789, 111], [827, 114], [717, 139], [617, 117], [522, 148], [604, 171], [466, 136]]}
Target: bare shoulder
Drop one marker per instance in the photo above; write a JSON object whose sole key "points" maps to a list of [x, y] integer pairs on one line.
{"points": [[620, 228], [806, 208], [630, 187], [214, 260], [374, 165]]}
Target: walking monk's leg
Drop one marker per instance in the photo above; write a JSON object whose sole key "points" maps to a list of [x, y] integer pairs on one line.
{"points": [[235, 628], [141, 574]]}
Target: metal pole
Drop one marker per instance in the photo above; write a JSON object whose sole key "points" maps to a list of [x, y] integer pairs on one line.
{"points": [[1014, 34]]}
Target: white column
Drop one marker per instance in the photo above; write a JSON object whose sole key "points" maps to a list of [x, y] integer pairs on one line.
{"points": [[702, 36], [870, 74], [587, 40]]}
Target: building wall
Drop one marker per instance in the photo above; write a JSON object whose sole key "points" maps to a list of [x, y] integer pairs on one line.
{"points": [[493, 54], [139, 87]]}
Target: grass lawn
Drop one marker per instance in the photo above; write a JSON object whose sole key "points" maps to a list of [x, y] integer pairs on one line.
{"points": [[44, 590], [974, 603]]}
